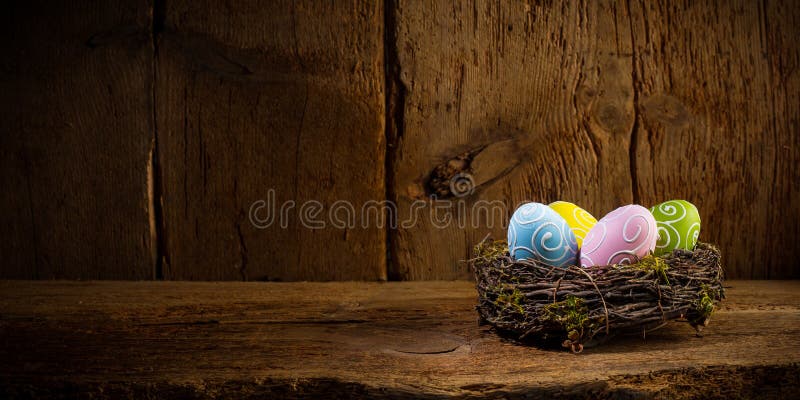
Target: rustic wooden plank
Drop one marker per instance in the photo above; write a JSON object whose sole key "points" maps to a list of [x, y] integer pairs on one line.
{"points": [[75, 140], [414, 339], [270, 96], [718, 83], [552, 81], [603, 104]]}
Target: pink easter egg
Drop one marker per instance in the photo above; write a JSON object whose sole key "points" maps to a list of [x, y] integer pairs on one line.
{"points": [[623, 236]]}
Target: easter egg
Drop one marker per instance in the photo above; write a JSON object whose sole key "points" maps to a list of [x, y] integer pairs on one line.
{"points": [[539, 233], [678, 224], [578, 219], [623, 236]]}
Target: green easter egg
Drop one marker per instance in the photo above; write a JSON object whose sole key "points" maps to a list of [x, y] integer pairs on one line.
{"points": [[678, 224]]}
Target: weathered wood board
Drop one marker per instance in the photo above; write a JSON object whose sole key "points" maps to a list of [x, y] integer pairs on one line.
{"points": [[406, 339], [76, 136], [719, 99], [135, 138], [602, 104], [264, 99]]}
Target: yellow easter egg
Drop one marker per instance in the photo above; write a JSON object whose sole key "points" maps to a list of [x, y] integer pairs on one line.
{"points": [[578, 219]]}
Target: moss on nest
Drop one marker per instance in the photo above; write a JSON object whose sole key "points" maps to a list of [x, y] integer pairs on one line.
{"points": [[571, 314], [511, 299], [489, 250], [705, 305], [655, 265]]}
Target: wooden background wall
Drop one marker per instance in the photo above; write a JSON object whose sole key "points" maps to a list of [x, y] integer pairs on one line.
{"points": [[137, 135]]}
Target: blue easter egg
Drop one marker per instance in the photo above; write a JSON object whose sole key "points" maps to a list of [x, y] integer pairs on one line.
{"points": [[537, 232]]}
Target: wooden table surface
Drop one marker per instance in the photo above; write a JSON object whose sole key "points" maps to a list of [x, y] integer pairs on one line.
{"points": [[213, 340]]}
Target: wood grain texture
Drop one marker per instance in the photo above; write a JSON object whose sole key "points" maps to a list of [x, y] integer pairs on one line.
{"points": [[405, 339], [75, 140], [132, 156], [263, 96], [718, 124], [602, 104]]}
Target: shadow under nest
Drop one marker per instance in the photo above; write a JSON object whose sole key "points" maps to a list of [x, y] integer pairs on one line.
{"points": [[578, 307]]}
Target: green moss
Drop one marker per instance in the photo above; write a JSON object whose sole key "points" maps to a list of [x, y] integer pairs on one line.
{"points": [[572, 315], [705, 304], [489, 250], [511, 299], [655, 264]]}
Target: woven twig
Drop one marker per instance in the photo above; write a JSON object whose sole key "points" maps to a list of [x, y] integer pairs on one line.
{"points": [[583, 306]]}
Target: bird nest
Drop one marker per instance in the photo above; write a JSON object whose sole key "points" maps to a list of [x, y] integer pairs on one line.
{"points": [[577, 306]]}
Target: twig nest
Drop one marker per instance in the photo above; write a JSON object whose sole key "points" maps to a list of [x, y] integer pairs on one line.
{"points": [[580, 307]]}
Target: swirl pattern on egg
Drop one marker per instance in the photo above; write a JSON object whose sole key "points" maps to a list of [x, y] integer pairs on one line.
{"points": [[678, 224], [538, 232], [623, 236], [577, 218]]}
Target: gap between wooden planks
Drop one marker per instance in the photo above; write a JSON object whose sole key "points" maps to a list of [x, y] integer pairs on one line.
{"points": [[416, 339]]}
